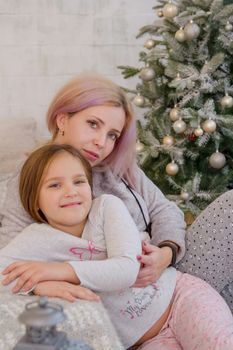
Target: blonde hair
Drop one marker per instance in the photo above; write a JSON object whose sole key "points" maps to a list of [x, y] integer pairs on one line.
{"points": [[32, 174], [88, 90]]}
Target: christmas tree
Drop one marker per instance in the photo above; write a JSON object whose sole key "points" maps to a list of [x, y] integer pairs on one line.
{"points": [[185, 90]]}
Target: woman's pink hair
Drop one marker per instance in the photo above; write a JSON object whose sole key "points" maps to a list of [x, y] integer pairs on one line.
{"points": [[88, 90]]}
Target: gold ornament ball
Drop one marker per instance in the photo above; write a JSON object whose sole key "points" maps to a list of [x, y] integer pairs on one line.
{"points": [[191, 30], [160, 13], [198, 132], [209, 126], [168, 140], [170, 10], [139, 147], [147, 74], [184, 195], [217, 160], [174, 114], [139, 100], [179, 126], [149, 44], [228, 27], [180, 35], [227, 101], [172, 168]]}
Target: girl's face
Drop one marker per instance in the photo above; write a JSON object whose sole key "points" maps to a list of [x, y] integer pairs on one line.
{"points": [[93, 131], [65, 196]]}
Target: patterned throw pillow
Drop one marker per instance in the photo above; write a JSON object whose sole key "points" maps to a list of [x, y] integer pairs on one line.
{"points": [[3, 189]]}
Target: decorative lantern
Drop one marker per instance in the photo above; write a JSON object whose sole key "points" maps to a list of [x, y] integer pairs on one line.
{"points": [[40, 318]]}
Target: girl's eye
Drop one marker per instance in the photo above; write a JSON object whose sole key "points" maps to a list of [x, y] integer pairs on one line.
{"points": [[92, 123], [54, 185], [78, 182]]}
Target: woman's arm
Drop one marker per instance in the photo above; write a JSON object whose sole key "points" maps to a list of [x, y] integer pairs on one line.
{"points": [[166, 218]]}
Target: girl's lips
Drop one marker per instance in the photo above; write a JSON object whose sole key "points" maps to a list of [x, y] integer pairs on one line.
{"points": [[90, 155], [72, 204]]}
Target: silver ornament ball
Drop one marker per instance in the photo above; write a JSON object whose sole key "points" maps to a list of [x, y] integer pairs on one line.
{"points": [[217, 160], [191, 30], [227, 101], [209, 126], [180, 35], [198, 131], [170, 10], [172, 168], [168, 140], [174, 114], [228, 27], [139, 100], [147, 74], [139, 147], [149, 44], [160, 13], [179, 126], [184, 195]]}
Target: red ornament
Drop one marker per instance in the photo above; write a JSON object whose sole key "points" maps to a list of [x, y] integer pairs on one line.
{"points": [[192, 137]]}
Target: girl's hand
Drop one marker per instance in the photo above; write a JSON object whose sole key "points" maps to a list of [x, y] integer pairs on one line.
{"points": [[29, 273], [64, 290], [153, 261]]}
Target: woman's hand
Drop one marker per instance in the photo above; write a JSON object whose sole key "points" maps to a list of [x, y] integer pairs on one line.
{"points": [[153, 261], [64, 290], [29, 273]]}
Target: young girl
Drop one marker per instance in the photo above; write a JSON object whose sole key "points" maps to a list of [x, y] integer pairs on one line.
{"points": [[82, 242]]}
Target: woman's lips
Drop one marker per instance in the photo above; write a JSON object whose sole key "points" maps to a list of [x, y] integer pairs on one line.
{"points": [[90, 155]]}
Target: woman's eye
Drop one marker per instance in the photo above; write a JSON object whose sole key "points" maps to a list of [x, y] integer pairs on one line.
{"points": [[92, 123], [113, 136]]}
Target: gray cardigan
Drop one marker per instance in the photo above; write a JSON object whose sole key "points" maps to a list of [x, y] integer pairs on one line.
{"points": [[166, 218]]}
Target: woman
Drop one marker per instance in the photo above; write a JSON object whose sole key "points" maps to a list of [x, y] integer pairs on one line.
{"points": [[93, 114]]}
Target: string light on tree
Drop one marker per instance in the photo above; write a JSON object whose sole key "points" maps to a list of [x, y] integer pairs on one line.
{"points": [[184, 195], [180, 35], [170, 10], [191, 30], [217, 160], [226, 101], [228, 27], [209, 126], [139, 100], [179, 126], [178, 77], [198, 131], [172, 168], [147, 74], [139, 147], [149, 44], [174, 114], [168, 140]]}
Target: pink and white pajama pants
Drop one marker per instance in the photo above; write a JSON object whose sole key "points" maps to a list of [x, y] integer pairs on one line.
{"points": [[199, 319]]}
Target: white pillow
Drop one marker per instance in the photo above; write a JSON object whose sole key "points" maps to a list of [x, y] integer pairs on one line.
{"points": [[17, 138], [3, 189]]}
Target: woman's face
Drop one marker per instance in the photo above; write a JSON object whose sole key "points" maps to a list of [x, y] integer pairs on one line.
{"points": [[93, 131], [65, 196]]}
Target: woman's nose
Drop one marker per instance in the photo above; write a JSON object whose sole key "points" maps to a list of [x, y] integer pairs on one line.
{"points": [[100, 140]]}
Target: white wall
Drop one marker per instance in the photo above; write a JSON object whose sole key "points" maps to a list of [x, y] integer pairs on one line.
{"points": [[43, 43]]}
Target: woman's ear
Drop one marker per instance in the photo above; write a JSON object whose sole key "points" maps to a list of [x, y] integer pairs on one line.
{"points": [[61, 121]]}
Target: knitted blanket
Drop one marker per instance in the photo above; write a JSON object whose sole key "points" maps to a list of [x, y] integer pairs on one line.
{"points": [[86, 321]]}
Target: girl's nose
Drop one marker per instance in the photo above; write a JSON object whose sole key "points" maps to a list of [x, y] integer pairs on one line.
{"points": [[70, 192]]}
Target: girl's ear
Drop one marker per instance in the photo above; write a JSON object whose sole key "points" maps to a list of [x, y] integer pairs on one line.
{"points": [[61, 121]]}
